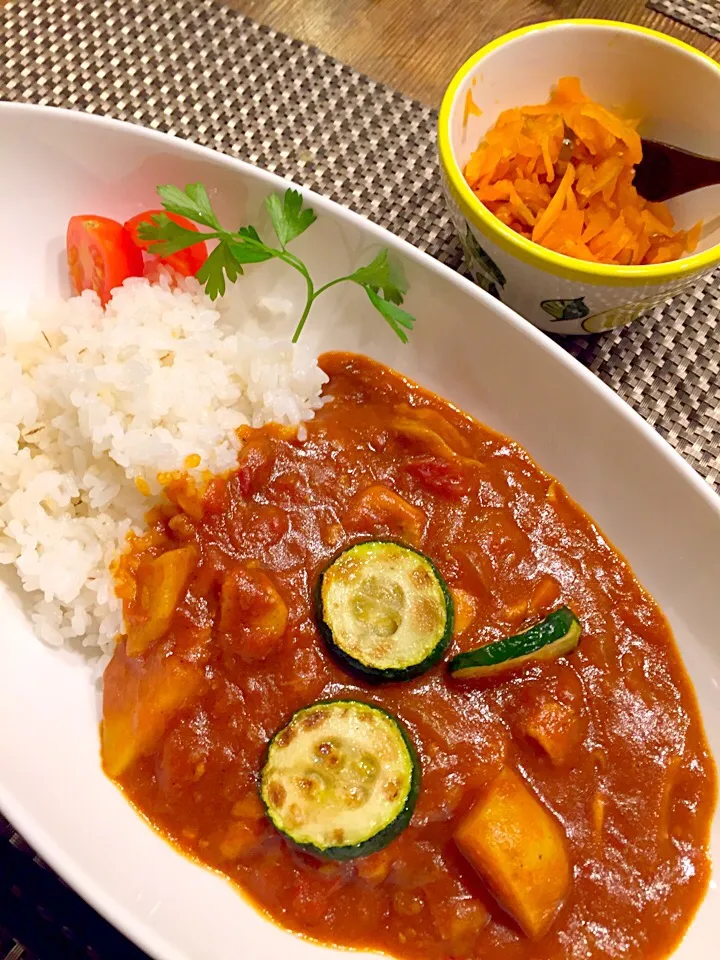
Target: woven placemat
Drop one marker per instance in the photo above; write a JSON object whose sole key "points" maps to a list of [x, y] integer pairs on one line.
{"points": [[201, 71], [702, 15]]}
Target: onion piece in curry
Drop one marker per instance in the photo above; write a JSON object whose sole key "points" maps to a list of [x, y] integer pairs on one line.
{"points": [[596, 759]]}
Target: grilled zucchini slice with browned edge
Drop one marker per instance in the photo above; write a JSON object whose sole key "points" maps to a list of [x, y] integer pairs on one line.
{"points": [[555, 636], [341, 779], [385, 611]]}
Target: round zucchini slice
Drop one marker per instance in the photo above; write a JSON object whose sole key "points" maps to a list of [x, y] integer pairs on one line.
{"points": [[385, 611], [555, 636], [341, 779]]}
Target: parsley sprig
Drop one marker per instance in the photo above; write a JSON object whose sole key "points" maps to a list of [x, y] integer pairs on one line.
{"points": [[383, 283]]}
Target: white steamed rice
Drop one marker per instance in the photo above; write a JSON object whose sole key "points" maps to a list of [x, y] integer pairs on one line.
{"points": [[90, 400]]}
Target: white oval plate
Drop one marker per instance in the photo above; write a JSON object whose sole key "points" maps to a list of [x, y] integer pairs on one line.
{"points": [[466, 347]]}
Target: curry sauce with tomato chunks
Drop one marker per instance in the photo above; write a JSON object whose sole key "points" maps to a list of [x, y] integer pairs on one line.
{"points": [[549, 799]]}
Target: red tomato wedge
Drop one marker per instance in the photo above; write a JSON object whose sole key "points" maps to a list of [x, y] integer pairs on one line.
{"points": [[187, 262], [100, 255]]}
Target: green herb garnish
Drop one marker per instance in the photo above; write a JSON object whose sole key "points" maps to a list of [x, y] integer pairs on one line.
{"points": [[383, 284]]}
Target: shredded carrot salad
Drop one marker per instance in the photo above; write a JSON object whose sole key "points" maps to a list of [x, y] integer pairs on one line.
{"points": [[561, 174]]}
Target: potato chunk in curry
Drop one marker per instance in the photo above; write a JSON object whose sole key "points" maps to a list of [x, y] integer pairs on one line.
{"points": [[519, 849], [140, 699], [161, 582]]}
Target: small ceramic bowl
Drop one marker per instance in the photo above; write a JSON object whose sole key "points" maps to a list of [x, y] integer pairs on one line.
{"points": [[673, 87]]}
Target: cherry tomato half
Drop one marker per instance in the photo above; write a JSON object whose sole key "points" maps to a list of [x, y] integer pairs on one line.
{"points": [[188, 261], [100, 255]]}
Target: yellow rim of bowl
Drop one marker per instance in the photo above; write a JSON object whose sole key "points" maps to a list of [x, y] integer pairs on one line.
{"points": [[532, 253]]}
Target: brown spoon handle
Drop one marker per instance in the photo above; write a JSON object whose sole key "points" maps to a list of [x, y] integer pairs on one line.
{"points": [[665, 172]]}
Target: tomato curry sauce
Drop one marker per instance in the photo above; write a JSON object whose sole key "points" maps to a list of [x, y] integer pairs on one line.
{"points": [[223, 647]]}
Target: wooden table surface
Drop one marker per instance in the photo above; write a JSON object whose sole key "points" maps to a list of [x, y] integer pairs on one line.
{"points": [[416, 45]]}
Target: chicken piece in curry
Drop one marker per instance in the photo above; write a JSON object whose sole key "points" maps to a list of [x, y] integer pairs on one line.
{"points": [[397, 686]]}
